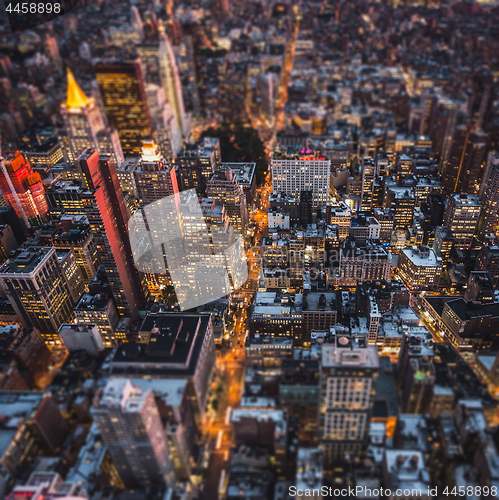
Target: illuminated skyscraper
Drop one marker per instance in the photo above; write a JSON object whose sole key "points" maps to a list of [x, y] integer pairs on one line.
{"points": [[125, 102], [348, 382], [23, 189], [224, 187], [107, 214], [130, 425], [294, 173], [170, 79], [85, 126], [489, 196], [38, 290], [460, 172], [155, 177]]}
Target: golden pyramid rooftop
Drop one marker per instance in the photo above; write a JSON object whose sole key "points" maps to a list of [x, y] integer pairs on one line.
{"points": [[75, 96]]}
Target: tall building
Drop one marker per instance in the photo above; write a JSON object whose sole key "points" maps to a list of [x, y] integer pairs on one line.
{"points": [[24, 359], [419, 268], [22, 189], [292, 174], [348, 379], [34, 282], [173, 346], [368, 178], [443, 243], [461, 170], [125, 103], [32, 424], [489, 196], [488, 260], [155, 177], [462, 215], [224, 187], [170, 79], [85, 126], [130, 425], [107, 214]]}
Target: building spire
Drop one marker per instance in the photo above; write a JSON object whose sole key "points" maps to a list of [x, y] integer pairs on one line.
{"points": [[75, 96]]}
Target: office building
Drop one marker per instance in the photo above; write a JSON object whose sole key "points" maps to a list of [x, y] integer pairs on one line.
{"points": [[443, 243], [367, 262], [24, 358], [461, 170], [488, 260], [130, 425], [172, 346], [299, 393], [402, 200], [461, 216], [276, 316], [170, 80], [196, 165], [125, 103], [97, 308], [33, 424], [44, 155], [489, 197], [34, 282], [84, 126], [154, 177], [80, 336], [419, 268], [246, 177], [294, 173], [73, 232], [348, 379], [225, 188], [22, 189], [107, 214], [368, 177]]}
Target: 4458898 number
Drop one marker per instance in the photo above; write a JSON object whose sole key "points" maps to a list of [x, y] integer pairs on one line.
{"points": [[34, 8], [477, 491]]}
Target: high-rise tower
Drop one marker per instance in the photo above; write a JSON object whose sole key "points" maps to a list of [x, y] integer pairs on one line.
{"points": [[130, 425], [125, 102], [170, 80], [22, 189], [85, 126], [489, 196], [108, 217], [461, 170]]}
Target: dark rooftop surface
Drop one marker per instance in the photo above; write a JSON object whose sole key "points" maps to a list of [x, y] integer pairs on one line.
{"points": [[174, 345]]}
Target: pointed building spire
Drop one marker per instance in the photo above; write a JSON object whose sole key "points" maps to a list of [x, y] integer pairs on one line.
{"points": [[75, 96]]}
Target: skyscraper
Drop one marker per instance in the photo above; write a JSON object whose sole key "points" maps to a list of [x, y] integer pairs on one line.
{"points": [[462, 214], [22, 188], [125, 102], [224, 187], [155, 178], [107, 214], [130, 425], [348, 383], [294, 173], [38, 290], [461, 170], [489, 196], [170, 79], [368, 178], [85, 126]]}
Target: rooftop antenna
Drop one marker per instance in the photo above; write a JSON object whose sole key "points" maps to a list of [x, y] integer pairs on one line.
{"points": [[11, 186]]}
